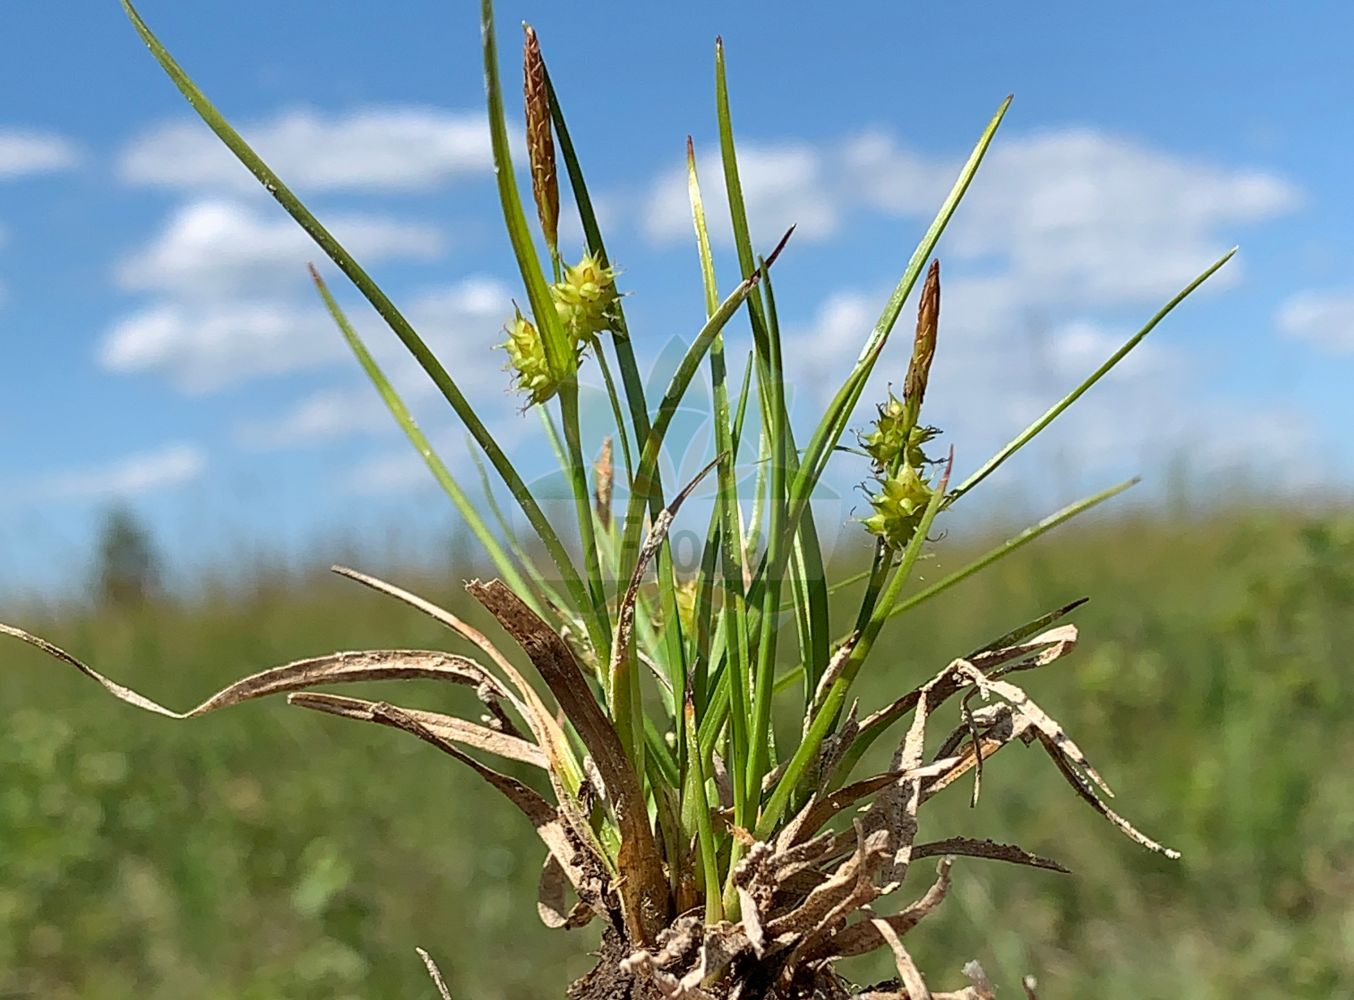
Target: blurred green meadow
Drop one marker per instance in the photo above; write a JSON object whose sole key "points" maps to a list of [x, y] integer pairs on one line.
{"points": [[268, 852]]}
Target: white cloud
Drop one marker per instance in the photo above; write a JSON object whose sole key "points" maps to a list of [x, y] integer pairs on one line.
{"points": [[133, 475], [219, 249], [320, 416], [398, 149], [24, 152], [1066, 242], [201, 348], [1096, 219], [208, 346], [783, 184], [1324, 319], [233, 300], [1071, 216], [1065, 238], [1148, 412], [398, 472], [460, 323]]}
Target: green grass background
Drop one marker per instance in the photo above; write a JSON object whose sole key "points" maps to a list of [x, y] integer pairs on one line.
{"points": [[267, 852]]}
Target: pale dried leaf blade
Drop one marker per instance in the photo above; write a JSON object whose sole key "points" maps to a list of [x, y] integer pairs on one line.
{"points": [[907, 968], [1037, 652], [435, 974], [336, 668], [568, 850], [451, 621], [752, 921], [1011, 727], [989, 849], [644, 889], [979, 982], [1084, 789], [551, 902], [834, 668], [1049, 729], [822, 808], [864, 937], [446, 726], [527, 702], [895, 808], [625, 617], [857, 877]]}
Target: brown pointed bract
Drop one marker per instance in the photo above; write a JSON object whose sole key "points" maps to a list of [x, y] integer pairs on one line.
{"points": [[540, 142], [924, 348]]}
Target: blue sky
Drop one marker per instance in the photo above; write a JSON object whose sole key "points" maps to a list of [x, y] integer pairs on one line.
{"points": [[163, 349]]}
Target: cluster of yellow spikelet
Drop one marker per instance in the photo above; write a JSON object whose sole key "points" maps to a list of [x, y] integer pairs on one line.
{"points": [[584, 300], [896, 438], [585, 294]]}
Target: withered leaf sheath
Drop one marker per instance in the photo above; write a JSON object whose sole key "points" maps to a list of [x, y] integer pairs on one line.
{"points": [[540, 142], [924, 347], [605, 473]]}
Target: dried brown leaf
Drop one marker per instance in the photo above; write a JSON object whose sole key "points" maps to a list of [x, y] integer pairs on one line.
{"points": [[336, 668], [643, 889], [583, 866], [448, 727], [820, 809], [1037, 652], [550, 901], [1087, 792], [990, 849], [625, 615], [1049, 729], [829, 905], [435, 974], [907, 968], [864, 937], [835, 665]]}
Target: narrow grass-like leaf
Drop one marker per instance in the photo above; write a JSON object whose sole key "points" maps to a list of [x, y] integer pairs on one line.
{"points": [[559, 354], [1011, 544], [556, 603], [730, 519], [644, 889], [599, 621], [1034, 429], [502, 562], [771, 385], [627, 710], [705, 834], [631, 378], [808, 577], [839, 411], [807, 750], [374, 294], [645, 472]]}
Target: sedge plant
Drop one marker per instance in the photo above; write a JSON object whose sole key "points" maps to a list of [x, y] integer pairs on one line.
{"points": [[720, 861]]}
